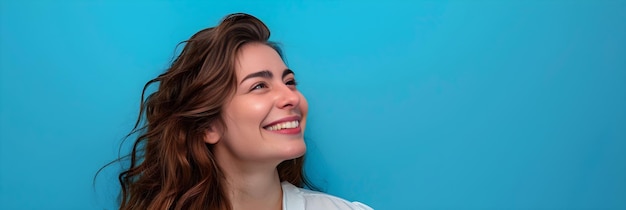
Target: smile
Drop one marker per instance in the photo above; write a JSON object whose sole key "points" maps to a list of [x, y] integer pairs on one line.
{"points": [[284, 125]]}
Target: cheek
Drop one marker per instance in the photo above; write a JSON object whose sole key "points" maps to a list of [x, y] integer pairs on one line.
{"points": [[256, 109], [258, 106], [304, 104], [250, 111], [304, 108], [244, 116]]}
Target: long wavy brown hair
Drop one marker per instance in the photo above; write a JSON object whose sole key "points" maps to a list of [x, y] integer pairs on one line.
{"points": [[171, 166]]}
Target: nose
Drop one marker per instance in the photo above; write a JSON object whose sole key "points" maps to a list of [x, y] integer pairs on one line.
{"points": [[287, 97]]}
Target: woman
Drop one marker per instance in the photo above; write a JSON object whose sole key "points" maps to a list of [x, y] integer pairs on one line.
{"points": [[224, 130]]}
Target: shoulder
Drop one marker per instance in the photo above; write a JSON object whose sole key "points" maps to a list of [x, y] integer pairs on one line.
{"points": [[309, 199], [318, 200]]}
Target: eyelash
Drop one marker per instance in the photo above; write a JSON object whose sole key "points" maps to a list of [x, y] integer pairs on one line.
{"points": [[291, 82], [258, 85]]}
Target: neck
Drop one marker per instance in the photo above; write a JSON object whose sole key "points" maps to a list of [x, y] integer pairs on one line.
{"points": [[251, 185], [255, 191]]}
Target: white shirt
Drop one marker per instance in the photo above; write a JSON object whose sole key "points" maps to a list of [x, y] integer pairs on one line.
{"points": [[295, 198]]}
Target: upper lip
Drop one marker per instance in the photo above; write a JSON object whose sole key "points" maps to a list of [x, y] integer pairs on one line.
{"points": [[286, 119]]}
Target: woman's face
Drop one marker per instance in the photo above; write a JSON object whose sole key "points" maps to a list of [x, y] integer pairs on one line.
{"points": [[266, 117]]}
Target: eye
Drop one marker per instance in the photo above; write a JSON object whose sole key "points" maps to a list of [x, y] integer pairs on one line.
{"points": [[258, 86], [291, 82]]}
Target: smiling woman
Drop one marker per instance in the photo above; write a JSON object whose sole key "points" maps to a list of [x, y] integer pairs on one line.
{"points": [[224, 130]]}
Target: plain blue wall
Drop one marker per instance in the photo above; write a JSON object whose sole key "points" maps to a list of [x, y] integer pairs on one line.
{"points": [[414, 104]]}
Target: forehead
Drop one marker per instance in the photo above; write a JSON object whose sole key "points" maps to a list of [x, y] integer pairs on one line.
{"points": [[254, 57]]}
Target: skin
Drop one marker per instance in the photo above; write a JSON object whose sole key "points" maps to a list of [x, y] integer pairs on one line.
{"points": [[247, 152]]}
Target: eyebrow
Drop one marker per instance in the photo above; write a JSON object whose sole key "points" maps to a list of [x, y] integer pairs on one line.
{"points": [[266, 74]]}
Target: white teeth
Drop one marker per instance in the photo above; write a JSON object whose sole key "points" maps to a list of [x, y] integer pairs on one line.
{"points": [[279, 126]]}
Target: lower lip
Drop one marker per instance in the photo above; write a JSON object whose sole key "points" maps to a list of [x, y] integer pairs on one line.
{"points": [[288, 131]]}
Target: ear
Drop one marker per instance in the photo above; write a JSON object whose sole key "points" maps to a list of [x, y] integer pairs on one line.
{"points": [[212, 135]]}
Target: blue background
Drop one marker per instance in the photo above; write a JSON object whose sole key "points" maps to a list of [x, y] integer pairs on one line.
{"points": [[413, 104]]}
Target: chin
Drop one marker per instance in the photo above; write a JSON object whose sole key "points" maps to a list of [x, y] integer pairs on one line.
{"points": [[294, 151]]}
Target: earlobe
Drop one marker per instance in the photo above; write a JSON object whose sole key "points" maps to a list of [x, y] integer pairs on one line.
{"points": [[212, 135]]}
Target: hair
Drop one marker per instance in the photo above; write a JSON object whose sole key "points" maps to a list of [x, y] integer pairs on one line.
{"points": [[171, 166]]}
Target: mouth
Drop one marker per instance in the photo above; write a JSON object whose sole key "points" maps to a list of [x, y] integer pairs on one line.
{"points": [[288, 125], [283, 125]]}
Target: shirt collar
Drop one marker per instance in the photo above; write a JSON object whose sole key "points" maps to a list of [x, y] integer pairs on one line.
{"points": [[292, 197]]}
